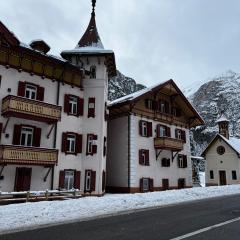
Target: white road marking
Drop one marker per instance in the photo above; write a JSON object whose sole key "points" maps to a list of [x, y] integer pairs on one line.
{"points": [[206, 229]]}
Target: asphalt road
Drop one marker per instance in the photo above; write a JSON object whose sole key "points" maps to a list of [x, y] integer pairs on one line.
{"points": [[160, 224]]}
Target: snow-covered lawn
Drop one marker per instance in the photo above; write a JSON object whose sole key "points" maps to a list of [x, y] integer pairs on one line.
{"points": [[25, 215]]}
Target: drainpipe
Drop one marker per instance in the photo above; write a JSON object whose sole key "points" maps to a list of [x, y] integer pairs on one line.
{"points": [[55, 130], [129, 149]]}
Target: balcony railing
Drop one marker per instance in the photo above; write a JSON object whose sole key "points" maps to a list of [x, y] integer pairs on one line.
{"points": [[168, 143], [13, 106], [12, 154]]}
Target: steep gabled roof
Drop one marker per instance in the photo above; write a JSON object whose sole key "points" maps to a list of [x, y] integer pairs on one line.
{"points": [[232, 142], [134, 97], [9, 36]]}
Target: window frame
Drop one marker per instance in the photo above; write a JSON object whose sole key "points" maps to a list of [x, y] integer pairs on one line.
{"points": [[146, 180], [69, 179], [31, 88], [144, 127], [93, 74], [24, 130], [71, 142], [73, 101], [88, 177]]}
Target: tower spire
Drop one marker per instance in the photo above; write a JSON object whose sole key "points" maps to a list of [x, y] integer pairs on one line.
{"points": [[91, 37], [93, 6]]}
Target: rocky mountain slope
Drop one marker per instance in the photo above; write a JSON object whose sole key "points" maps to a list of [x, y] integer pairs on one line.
{"points": [[121, 85], [219, 95]]}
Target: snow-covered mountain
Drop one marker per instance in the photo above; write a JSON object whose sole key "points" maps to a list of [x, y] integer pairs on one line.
{"points": [[121, 85], [219, 95]]}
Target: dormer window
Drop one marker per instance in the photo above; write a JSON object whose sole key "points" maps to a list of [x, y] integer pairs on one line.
{"points": [[31, 92], [93, 72]]}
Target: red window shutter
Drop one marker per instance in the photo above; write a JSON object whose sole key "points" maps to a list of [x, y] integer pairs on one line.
{"points": [[151, 187], [91, 111], [40, 93], [140, 127], [64, 142], [1, 127], [185, 161], [140, 157], [78, 143], [21, 89], [141, 185], [168, 130], [103, 180], [61, 179], [77, 178], [16, 134], [93, 180], [80, 106], [183, 136], [149, 129], [158, 130], [176, 133], [37, 137], [147, 157], [66, 103]]}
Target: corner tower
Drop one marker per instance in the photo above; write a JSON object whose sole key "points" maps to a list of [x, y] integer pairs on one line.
{"points": [[98, 65]]}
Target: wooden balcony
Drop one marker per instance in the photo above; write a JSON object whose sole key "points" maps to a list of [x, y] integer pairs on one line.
{"points": [[13, 106], [168, 143], [12, 154]]}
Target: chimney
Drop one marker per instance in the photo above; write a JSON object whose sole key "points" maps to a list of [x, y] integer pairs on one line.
{"points": [[40, 46], [223, 126]]}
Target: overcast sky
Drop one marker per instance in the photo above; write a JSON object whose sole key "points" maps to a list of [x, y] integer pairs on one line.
{"points": [[154, 40]]}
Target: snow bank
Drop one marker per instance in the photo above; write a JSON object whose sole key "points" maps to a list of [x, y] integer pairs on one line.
{"points": [[25, 215]]}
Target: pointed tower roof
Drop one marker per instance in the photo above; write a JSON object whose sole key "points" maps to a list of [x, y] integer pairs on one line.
{"points": [[90, 45], [91, 37]]}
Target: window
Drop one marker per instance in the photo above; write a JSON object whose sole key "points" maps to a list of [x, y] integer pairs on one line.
{"points": [[91, 144], [163, 131], [220, 150], [176, 112], [145, 128], [71, 143], [91, 107], [104, 146], [182, 161], [234, 175], [31, 92], [163, 106], [90, 181], [0, 80], [69, 179], [149, 103], [211, 174], [166, 162], [180, 134], [26, 136], [93, 72], [145, 184], [73, 105], [73, 101], [144, 157]]}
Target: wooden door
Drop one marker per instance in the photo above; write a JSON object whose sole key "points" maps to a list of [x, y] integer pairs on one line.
{"points": [[165, 184], [22, 179], [222, 178], [181, 183]]}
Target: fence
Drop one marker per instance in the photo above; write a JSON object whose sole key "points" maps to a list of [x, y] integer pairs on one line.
{"points": [[34, 196]]}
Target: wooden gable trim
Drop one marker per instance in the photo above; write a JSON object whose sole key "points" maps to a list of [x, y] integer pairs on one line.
{"points": [[9, 36]]}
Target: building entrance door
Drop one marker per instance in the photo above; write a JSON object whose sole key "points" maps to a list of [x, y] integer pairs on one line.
{"points": [[165, 184], [22, 179], [222, 178]]}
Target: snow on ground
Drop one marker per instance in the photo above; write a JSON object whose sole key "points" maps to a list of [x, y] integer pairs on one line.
{"points": [[26, 215]]}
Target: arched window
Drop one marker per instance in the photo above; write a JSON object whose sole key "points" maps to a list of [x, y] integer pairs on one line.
{"points": [[93, 72]]}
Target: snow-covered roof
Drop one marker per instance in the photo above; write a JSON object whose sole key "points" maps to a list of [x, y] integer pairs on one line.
{"points": [[87, 50], [134, 95], [222, 119], [233, 142]]}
